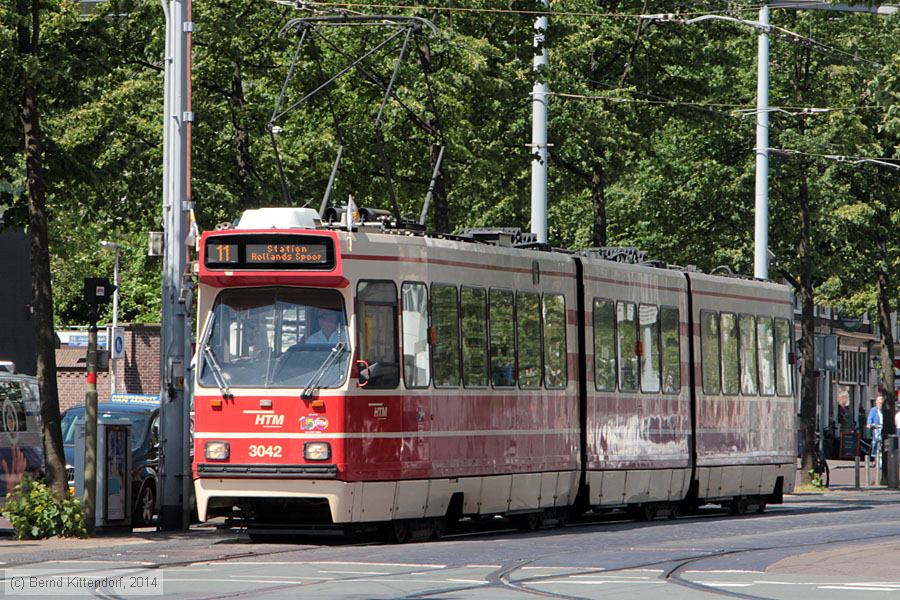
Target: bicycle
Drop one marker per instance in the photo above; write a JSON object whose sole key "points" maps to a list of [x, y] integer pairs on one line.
{"points": [[820, 464]]}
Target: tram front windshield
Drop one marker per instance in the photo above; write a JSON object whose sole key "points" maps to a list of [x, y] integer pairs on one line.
{"points": [[275, 337]]}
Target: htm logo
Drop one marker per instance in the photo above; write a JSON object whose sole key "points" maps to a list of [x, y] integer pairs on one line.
{"points": [[270, 420]]}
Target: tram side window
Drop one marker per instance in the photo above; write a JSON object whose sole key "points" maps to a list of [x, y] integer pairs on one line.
{"points": [[503, 340], [626, 327], [528, 335], [604, 345], [766, 346], [445, 320], [671, 350], [377, 317], [782, 357], [474, 337], [749, 367], [416, 365], [648, 320], [556, 356], [709, 348], [730, 351]]}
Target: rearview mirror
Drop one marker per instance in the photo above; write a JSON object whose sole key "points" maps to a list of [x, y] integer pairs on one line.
{"points": [[362, 368]]}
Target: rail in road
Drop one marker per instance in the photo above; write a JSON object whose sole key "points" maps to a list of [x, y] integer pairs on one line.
{"points": [[822, 546]]}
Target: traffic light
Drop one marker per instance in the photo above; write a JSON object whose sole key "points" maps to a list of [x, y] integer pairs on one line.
{"points": [[98, 290]]}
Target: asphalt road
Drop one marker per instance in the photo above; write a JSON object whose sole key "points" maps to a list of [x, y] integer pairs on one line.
{"points": [[837, 545]]}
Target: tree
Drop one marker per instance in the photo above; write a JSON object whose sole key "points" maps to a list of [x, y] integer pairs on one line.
{"points": [[25, 17]]}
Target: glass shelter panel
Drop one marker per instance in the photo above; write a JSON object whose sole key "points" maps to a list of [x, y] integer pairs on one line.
{"points": [[416, 363], [503, 338]]}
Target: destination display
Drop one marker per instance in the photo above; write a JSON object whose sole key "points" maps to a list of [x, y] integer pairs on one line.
{"points": [[269, 251]]}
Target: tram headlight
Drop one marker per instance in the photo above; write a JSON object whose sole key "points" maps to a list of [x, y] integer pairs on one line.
{"points": [[216, 450], [316, 450]]}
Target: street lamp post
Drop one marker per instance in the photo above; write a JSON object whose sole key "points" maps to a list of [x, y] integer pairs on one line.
{"points": [[110, 339], [761, 150]]}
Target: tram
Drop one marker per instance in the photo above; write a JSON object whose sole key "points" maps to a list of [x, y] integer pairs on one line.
{"points": [[367, 376]]}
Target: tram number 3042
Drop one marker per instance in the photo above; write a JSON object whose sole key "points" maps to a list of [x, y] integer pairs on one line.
{"points": [[259, 451]]}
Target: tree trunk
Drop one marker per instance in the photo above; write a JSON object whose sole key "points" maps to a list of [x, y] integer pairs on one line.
{"points": [[886, 382], [243, 158], [808, 340], [28, 44], [598, 199]]}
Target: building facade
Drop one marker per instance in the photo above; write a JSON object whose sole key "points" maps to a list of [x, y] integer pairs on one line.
{"points": [[136, 373]]}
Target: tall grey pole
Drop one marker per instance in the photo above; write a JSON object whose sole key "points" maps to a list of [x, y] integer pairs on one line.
{"points": [[539, 134], [761, 243], [175, 317], [110, 339], [90, 428]]}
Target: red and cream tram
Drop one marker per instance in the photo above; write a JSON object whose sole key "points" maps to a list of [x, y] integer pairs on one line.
{"points": [[380, 377]]}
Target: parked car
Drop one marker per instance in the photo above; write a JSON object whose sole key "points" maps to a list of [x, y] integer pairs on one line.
{"points": [[144, 419], [21, 451]]}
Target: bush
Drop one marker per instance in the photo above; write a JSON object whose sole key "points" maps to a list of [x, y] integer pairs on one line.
{"points": [[37, 512]]}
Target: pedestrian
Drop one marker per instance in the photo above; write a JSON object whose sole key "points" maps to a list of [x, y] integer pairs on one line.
{"points": [[896, 418], [874, 423]]}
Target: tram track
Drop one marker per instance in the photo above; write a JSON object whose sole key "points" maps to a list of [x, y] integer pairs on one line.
{"points": [[673, 569]]}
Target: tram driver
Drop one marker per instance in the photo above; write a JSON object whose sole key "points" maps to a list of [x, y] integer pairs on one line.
{"points": [[329, 332]]}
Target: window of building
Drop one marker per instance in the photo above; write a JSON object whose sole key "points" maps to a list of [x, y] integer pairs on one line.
{"points": [[648, 321], [626, 328], [416, 363], [765, 342], [528, 336], [749, 368], [728, 330], [783, 377], [555, 353], [377, 331], [671, 350], [709, 349], [474, 336], [503, 339], [445, 320], [604, 345]]}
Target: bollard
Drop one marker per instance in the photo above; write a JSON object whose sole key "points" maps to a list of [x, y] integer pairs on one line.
{"points": [[877, 465], [892, 478], [867, 471], [856, 471]]}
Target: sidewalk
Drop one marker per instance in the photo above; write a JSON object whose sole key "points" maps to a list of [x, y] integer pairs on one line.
{"points": [[843, 474]]}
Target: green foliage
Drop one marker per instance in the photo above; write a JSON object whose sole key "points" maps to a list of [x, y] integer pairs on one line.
{"points": [[36, 512], [642, 124]]}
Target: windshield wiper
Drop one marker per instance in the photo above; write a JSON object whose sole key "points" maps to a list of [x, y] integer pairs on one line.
{"points": [[209, 355], [315, 382]]}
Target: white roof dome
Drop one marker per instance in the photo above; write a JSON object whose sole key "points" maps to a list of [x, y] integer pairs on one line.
{"points": [[279, 218]]}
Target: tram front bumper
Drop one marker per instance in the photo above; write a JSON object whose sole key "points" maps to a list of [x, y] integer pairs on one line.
{"points": [[338, 494]]}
